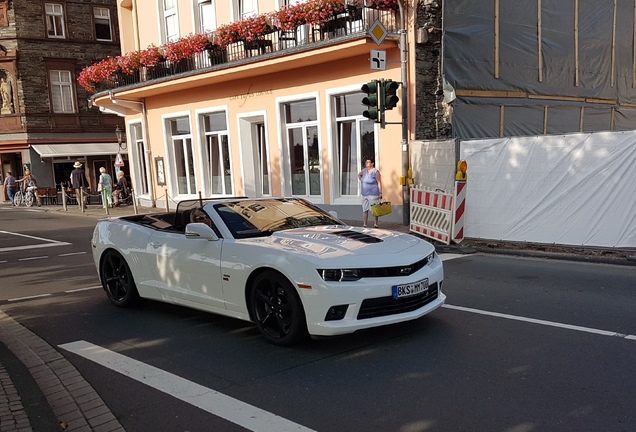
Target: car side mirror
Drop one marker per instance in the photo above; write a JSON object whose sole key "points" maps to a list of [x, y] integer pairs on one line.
{"points": [[197, 230]]}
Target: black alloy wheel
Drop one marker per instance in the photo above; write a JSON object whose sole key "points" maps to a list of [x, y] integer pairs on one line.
{"points": [[117, 280], [277, 309]]}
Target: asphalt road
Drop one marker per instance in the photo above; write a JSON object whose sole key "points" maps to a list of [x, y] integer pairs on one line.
{"points": [[524, 344]]}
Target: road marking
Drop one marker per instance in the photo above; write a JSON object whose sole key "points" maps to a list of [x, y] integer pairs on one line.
{"points": [[32, 258], [218, 404], [83, 289], [542, 322], [450, 256], [28, 297], [72, 253], [50, 243]]}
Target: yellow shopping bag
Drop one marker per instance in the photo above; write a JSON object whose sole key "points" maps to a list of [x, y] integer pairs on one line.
{"points": [[381, 209]]}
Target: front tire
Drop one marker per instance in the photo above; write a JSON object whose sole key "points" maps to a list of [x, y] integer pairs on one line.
{"points": [[277, 310], [17, 198], [117, 280]]}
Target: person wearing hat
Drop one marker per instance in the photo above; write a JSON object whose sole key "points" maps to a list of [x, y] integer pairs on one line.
{"points": [[79, 181]]}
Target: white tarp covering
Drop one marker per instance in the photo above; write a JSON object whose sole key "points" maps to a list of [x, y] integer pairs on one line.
{"points": [[576, 189], [433, 164]]}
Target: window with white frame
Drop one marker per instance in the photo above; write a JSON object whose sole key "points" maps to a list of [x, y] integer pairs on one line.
{"points": [[170, 20], [244, 9], [54, 20], [216, 154], [263, 160], [61, 85], [355, 142], [182, 155], [301, 126], [206, 15], [140, 163], [103, 30]]}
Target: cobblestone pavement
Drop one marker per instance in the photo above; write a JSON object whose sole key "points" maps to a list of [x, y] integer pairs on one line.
{"points": [[75, 404]]}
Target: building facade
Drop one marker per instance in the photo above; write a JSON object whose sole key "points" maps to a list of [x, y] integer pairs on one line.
{"points": [[269, 108], [46, 120]]}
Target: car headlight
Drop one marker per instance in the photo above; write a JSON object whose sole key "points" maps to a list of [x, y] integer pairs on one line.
{"points": [[340, 275]]}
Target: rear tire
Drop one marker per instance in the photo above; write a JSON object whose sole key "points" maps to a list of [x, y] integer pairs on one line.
{"points": [[277, 310], [28, 199], [117, 280]]}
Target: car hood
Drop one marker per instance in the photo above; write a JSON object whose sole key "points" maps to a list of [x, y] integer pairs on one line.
{"points": [[340, 240]]}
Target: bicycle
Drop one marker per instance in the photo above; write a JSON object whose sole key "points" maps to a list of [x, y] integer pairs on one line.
{"points": [[27, 197]]}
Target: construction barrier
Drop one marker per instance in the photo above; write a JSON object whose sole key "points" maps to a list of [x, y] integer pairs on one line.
{"points": [[438, 214]]}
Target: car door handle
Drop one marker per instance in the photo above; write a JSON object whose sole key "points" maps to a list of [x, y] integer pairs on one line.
{"points": [[155, 244]]}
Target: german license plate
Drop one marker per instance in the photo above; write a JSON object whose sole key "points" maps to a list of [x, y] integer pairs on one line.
{"points": [[411, 289]]}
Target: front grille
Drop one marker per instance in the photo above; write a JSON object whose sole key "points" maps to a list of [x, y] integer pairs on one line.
{"points": [[383, 306], [404, 270]]}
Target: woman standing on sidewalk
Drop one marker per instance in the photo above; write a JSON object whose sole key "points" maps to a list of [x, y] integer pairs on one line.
{"points": [[106, 187], [371, 189]]}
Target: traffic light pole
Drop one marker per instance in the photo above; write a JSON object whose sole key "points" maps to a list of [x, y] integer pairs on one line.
{"points": [[406, 201]]}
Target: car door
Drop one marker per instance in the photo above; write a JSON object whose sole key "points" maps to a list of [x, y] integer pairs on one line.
{"points": [[187, 269]]}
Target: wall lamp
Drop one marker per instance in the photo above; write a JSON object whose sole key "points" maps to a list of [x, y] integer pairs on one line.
{"points": [[119, 133]]}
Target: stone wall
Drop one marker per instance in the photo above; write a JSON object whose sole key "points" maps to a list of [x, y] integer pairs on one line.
{"points": [[432, 114], [77, 50]]}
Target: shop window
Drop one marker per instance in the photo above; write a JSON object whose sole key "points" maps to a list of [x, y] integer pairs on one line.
{"points": [[355, 142], [216, 152], [182, 155], [303, 147]]}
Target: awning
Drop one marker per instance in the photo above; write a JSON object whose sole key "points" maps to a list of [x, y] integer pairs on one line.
{"points": [[78, 149]]}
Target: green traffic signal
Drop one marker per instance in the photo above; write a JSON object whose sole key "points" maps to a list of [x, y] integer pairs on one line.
{"points": [[390, 94], [371, 100]]}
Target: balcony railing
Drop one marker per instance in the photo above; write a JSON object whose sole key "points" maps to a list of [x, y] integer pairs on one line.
{"points": [[355, 22]]}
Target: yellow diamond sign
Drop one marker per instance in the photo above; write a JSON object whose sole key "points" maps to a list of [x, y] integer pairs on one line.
{"points": [[377, 32]]}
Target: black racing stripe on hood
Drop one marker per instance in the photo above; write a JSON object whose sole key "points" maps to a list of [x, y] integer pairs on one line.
{"points": [[355, 235]]}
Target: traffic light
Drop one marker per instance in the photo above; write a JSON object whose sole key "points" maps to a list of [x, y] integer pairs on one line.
{"points": [[371, 100], [390, 94]]}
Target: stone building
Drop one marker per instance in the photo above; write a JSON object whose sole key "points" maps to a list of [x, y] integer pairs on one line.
{"points": [[46, 119]]}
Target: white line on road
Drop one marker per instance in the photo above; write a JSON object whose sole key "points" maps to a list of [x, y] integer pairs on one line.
{"points": [[72, 253], [226, 407], [50, 243], [542, 322], [83, 289], [33, 258], [28, 298]]}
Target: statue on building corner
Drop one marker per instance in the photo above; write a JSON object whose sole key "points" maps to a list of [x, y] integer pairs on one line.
{"points": [[6, 91]]}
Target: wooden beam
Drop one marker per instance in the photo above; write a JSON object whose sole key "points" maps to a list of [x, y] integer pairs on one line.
{"points": [[540, 41], [581, 118], [490, 94], [497, 39], [612, 79], [501, 121], [601, 101], [557, 98], [576, 43], [545, 119]]}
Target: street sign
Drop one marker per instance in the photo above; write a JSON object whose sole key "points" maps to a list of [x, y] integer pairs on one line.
{"points": [[378, 60], [119, 161], [378, 32]]}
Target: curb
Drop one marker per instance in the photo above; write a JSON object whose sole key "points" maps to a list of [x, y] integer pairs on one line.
{"points": [[74, 402]]}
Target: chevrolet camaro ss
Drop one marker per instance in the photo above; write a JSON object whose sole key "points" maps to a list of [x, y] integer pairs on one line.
{"points": [[282, 263]]}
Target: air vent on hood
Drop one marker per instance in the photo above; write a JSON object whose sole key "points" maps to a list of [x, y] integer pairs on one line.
{"points": [[355, 235]]}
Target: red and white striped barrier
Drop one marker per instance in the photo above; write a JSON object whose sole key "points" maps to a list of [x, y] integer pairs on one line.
{"points": [[439, 215]]}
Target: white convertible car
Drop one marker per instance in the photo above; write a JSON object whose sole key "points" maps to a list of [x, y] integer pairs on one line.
{"points": [[288, 266]]}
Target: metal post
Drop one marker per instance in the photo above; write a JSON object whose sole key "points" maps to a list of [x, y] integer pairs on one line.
{"points": [[406, 212], [64, 198], [81, 198], [134, 201], [104, 201], [167, 198]]}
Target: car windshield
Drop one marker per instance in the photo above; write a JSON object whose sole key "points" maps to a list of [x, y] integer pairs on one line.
{"points": [[255, 218]]}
